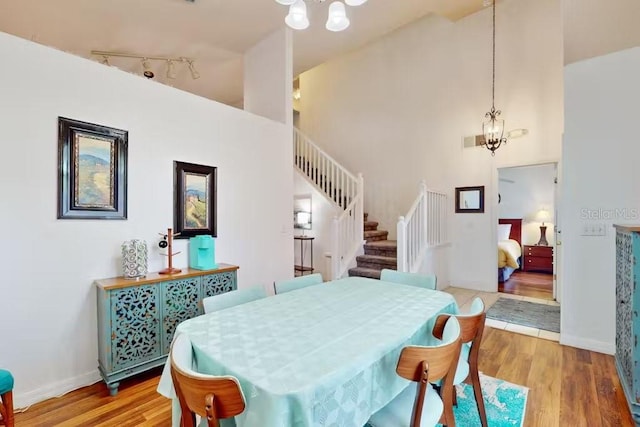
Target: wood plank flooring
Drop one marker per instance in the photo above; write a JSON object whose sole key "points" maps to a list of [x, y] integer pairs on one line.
{"points": [[536, 285], [568, 387]]}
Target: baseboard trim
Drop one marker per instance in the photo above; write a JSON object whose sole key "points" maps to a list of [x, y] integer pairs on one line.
{"points": [[587, 344], [24, 400]]}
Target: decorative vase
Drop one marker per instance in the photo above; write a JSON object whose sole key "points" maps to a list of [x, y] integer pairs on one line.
{"points": [[134, 259]]}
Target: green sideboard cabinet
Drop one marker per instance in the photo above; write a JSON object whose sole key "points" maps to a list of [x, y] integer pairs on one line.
{"points": [[137, 318]]}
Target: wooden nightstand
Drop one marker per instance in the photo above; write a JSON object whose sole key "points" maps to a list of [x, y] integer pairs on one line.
{"points": [[538, 258]]}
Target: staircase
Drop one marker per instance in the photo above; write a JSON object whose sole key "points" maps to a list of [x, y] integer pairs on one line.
{"points": [[379, 252]]}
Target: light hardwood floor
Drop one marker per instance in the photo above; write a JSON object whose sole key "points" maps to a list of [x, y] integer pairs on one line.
{"points": [[568, 387], [536, 285]]}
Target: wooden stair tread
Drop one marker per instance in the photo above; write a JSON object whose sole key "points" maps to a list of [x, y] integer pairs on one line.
{"points": [[382, 244], [372, 233], [364, 272], [378, 258]]}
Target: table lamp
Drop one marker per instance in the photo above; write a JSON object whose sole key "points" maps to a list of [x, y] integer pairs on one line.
{"points": [[542, 216]]}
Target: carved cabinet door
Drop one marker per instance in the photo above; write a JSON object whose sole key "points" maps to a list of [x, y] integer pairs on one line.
{"points": [[135, 329], [214, 284], [180, 301]]}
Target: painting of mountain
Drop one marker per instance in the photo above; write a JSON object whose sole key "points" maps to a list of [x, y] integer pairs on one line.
{"points": [[195, 201], [94, 172]]}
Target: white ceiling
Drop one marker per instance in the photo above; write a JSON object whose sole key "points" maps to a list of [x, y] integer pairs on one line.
{"points": [[215, 33]]}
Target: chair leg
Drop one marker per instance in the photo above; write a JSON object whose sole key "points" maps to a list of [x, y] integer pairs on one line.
{"points": [[477, 392], [7, 401]]}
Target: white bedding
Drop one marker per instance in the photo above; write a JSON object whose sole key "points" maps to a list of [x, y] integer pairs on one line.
{"points": [[508, 253]]}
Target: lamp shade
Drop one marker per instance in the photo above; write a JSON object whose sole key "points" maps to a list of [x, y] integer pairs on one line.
{"points": [[355, 2], [337, 20], [297, 17], [286, 2], [543, 215]]}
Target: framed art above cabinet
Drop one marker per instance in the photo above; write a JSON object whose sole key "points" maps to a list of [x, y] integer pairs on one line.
{"points": [[92, 171]]}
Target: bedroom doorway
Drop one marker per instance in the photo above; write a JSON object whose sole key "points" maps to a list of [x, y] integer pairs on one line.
{"points": [[527, 208]]}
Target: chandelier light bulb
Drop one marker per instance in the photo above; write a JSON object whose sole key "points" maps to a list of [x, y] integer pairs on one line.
{"points": [[297, 17], [286, 2], [337, 20], [353, 2]]}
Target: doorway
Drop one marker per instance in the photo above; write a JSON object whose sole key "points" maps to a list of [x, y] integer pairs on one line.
{"points": [[527, 208]]}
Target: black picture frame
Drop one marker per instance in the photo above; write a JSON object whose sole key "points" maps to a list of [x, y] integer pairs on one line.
{"points": [[195, 200], [473, 194], [92, 170]]}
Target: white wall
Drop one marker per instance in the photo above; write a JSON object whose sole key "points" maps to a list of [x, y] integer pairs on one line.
{"points": [[525, 190], [268, 77], [397, 111], [48, 300], [600, 186]]}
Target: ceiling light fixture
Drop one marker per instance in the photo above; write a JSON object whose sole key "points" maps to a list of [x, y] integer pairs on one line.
{"points": [[171, 70], [147, 69], [147, 62], [493, 129], [337, 19], [194, 74]]}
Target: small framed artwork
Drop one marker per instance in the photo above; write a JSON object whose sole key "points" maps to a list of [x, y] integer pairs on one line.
{"points": [[92, 171], [470, 199], [194, 200]]}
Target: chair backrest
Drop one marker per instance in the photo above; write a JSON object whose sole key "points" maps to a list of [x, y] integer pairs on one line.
{"points": [[299, 282], [211, 397], [424, 364], [412, 279], [471, 324], [232, 298]]}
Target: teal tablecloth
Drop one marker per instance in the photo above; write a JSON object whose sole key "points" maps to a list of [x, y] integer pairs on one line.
{"points": [[319, 356]]}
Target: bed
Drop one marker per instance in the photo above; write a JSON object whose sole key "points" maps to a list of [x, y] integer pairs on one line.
{"points": [[509, 247]]}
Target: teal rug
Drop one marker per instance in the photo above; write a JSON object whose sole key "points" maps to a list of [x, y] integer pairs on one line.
{"points": [[504, 402]]}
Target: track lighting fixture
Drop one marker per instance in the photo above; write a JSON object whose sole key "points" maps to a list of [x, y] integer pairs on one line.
{"points": [[147, 69], [147, 60], [194, 73], [171, 70]]}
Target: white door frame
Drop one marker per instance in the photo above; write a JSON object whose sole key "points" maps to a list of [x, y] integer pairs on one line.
{"points": [[557, 207]]}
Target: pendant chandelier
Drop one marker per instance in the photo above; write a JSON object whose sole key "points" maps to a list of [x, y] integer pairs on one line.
{"points": [[336, 21], [493, 128]]}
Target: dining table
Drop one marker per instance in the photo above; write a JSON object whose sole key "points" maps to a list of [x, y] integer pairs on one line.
{"points": [[323, 355]]}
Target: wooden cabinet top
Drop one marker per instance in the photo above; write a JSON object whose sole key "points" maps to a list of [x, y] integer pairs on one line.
{"points": [[121, 282], [628, 228]]}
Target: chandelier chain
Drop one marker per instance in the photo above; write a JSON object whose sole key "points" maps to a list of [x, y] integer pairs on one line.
{"points": [[493, 80]]}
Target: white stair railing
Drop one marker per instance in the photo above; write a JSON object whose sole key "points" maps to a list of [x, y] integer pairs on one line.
{"points": [[343, 189], [348, 237], [423, 227]]}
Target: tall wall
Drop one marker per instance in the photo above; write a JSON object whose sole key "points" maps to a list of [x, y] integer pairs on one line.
{"points": [[397, 110], [48, 300], [600, 186]]}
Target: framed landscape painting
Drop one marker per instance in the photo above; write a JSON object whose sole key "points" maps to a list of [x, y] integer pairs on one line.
{"points": [[194, 200], [92, 171]]}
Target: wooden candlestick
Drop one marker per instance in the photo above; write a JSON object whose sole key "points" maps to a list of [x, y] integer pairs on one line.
{"points": [[170, 254]]}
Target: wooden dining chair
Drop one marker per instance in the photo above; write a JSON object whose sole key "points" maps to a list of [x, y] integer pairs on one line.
{"points": [[472, 329], [299, 282], [412, 279], [6, 394], [421, 405], [233, 298], [208, 396]]}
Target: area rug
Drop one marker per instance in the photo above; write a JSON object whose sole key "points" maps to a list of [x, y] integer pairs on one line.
{"points": [[526, 313], [504, 402]]}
